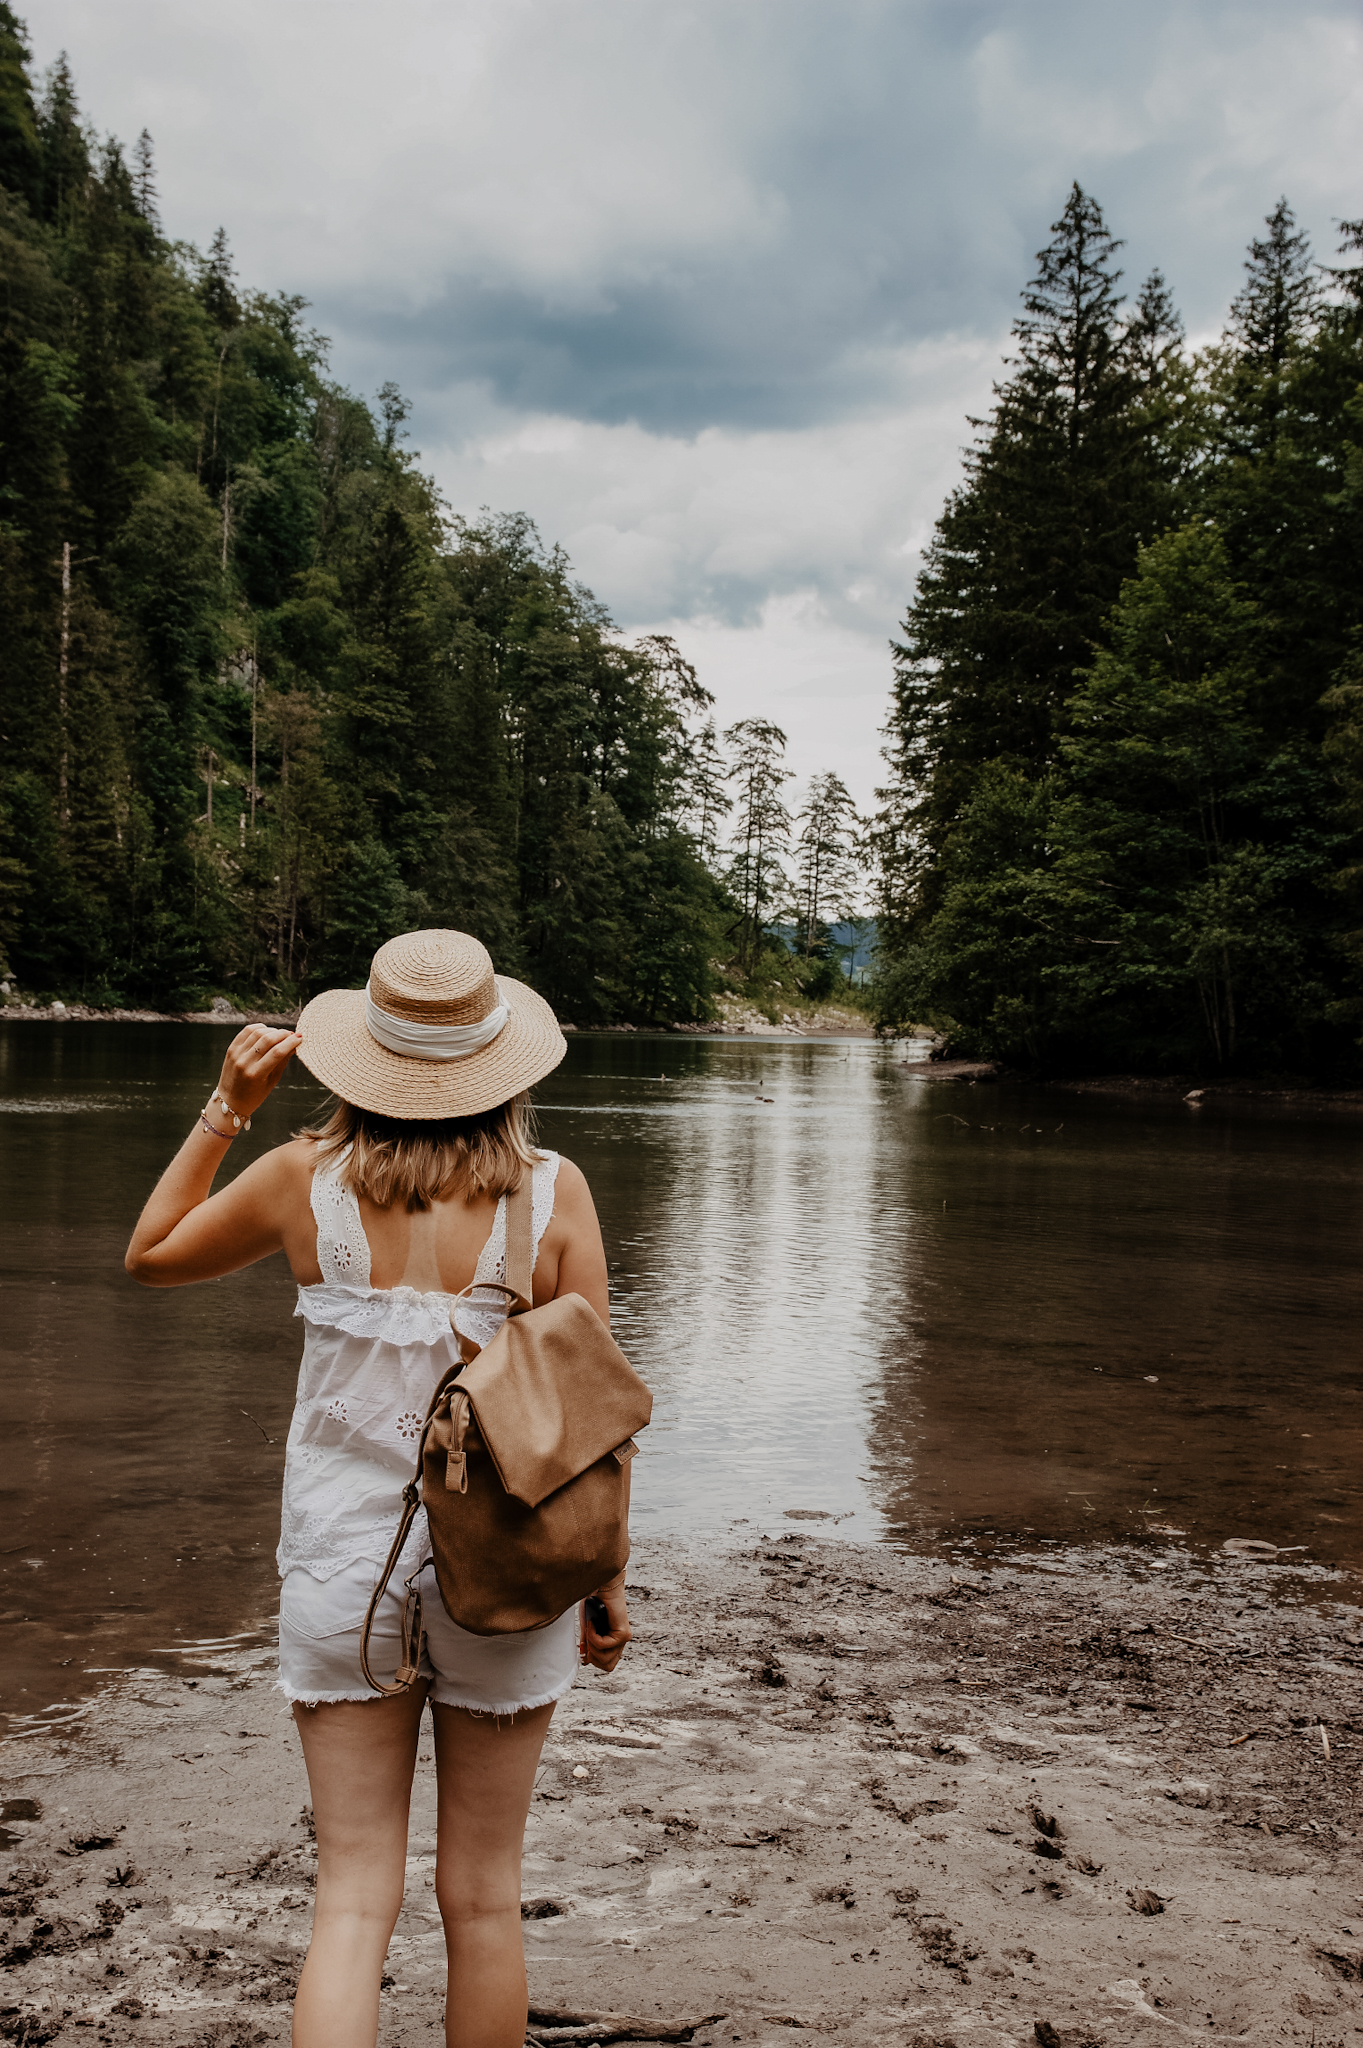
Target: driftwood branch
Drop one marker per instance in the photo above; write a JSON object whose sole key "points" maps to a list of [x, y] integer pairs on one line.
{"points": [[561, 2025]]}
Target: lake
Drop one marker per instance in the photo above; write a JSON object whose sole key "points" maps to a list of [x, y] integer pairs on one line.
{"points": [[869, 1304]]}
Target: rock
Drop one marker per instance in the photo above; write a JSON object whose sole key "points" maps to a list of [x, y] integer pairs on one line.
{"points": [[1248, 1546], [59, 1010], [1142, 1900]]}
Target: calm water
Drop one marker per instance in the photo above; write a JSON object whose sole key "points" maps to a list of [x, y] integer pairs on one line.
{"points": [[903, 1310]]}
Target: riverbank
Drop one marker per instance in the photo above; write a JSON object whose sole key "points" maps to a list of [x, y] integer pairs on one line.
{"points": [[82, 1013], [1289, 1092], [1079, 1798], [736, 1018]]}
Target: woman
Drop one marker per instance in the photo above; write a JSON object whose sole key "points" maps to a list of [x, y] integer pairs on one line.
{"points": [[386, 1211]]}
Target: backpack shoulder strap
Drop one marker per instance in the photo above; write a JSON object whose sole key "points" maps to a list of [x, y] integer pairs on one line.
{"points": [[520, 1250]]}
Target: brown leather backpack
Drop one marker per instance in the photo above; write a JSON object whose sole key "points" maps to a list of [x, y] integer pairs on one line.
{"points": [[523, 1466]]}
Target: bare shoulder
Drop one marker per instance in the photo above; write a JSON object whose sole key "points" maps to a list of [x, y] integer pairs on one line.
{"points": [[572, 1196], [287, 1167], [570, 1175]]}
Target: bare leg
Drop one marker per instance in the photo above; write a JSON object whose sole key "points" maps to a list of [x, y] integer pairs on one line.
{"points": [[360, 1756], [486, 1772]]}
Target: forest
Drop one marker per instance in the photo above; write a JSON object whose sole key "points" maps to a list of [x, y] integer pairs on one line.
{"points": [[265, 702], [1123, 820]]}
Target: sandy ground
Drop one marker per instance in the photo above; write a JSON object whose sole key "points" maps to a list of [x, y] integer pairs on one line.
{"points": [[1066, 1798]]}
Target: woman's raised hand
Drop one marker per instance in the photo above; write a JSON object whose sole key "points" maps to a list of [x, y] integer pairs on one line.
{"points": [[255, 1060]]}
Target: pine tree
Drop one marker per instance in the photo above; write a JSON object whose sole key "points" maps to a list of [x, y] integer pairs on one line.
{"points": [[1277, 305], [217, 293], [20, 158], [761, 829], [144, 181], [1076, 466], [1031, 551], [826, 861], [708, 802], [63, 148], [1285, 385]]}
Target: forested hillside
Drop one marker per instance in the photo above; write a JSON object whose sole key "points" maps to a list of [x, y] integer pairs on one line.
{"points": [[1126, 746], [263, 702]]}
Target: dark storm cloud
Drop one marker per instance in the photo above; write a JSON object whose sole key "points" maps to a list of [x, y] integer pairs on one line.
{"points": [[901, 166], [709, 287]]}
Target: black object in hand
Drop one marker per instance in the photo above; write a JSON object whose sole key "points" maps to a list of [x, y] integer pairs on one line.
{"points": [[597, 1618]]}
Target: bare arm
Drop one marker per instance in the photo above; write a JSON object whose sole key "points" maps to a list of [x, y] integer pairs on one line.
{"points": [[187, 1233], [572, 1258]]}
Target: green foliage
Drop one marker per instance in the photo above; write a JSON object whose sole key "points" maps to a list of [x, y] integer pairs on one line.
{"points": [[1145, 852], [827, 862], [285, 708], [762, 829]]}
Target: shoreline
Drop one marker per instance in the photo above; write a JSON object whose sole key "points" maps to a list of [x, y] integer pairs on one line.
{"points": [[1162, 1088], [1081, 1796], [1291, 1092], [838, 1024]]}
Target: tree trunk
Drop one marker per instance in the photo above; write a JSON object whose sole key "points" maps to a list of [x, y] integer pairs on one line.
{"points": [[63, 668]]}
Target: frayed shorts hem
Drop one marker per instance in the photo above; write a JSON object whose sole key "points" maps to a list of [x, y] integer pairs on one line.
{"points": [[438, 1697], [321, 1622]]}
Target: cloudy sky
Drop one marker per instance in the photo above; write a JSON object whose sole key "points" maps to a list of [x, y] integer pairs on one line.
{"points": [[709, 286]]}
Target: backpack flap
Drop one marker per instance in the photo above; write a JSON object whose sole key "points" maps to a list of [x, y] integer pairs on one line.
{"points": [[552, 1394]]}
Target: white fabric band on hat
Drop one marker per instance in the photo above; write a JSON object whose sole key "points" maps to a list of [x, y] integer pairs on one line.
{"points": [[432, 1041]]}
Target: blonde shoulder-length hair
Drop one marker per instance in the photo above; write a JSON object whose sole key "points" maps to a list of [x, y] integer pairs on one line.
{"points": [[408, 1160]]}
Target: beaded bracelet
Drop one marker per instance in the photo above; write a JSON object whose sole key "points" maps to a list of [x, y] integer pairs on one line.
{"points": [[228, 1110], [213, 1130]]}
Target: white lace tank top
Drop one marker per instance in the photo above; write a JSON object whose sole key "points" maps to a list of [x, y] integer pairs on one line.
{"points": [[372, 1357]]}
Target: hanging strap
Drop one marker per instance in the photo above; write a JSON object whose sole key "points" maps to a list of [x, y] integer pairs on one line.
{"points": [[409, 1660], [520, 1260]]}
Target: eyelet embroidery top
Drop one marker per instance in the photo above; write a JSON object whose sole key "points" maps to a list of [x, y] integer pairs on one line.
{"points": [[372, 1357]]}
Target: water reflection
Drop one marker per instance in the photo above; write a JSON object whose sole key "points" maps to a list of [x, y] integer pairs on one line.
{"points": [[901, 1309]]}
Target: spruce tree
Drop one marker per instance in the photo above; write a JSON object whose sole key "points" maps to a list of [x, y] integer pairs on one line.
{"points": [[1074, 469], [63, 149], [761, 830], [144, 181], [826, 861], [20, 157], [217, 286], [1060, 490], [1285, 386], [1275, 309]]}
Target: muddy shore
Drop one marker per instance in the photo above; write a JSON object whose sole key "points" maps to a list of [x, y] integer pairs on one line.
{"points": [[1078, 1798]]}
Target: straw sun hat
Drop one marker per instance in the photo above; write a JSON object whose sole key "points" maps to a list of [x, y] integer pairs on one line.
{"points": [[434, 1034]]}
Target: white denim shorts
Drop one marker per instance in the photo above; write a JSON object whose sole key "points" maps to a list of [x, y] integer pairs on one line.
{"points": [[321, 1622]]}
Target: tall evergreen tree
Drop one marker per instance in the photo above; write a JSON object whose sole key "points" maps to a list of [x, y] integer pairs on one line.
{"points": [[761, 830], [1173, 879], [826, 860], [1284, 387], [1029, 554], [1275, 309], [1076, 467], [144, 181], [63, 149], [20, 158]]}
